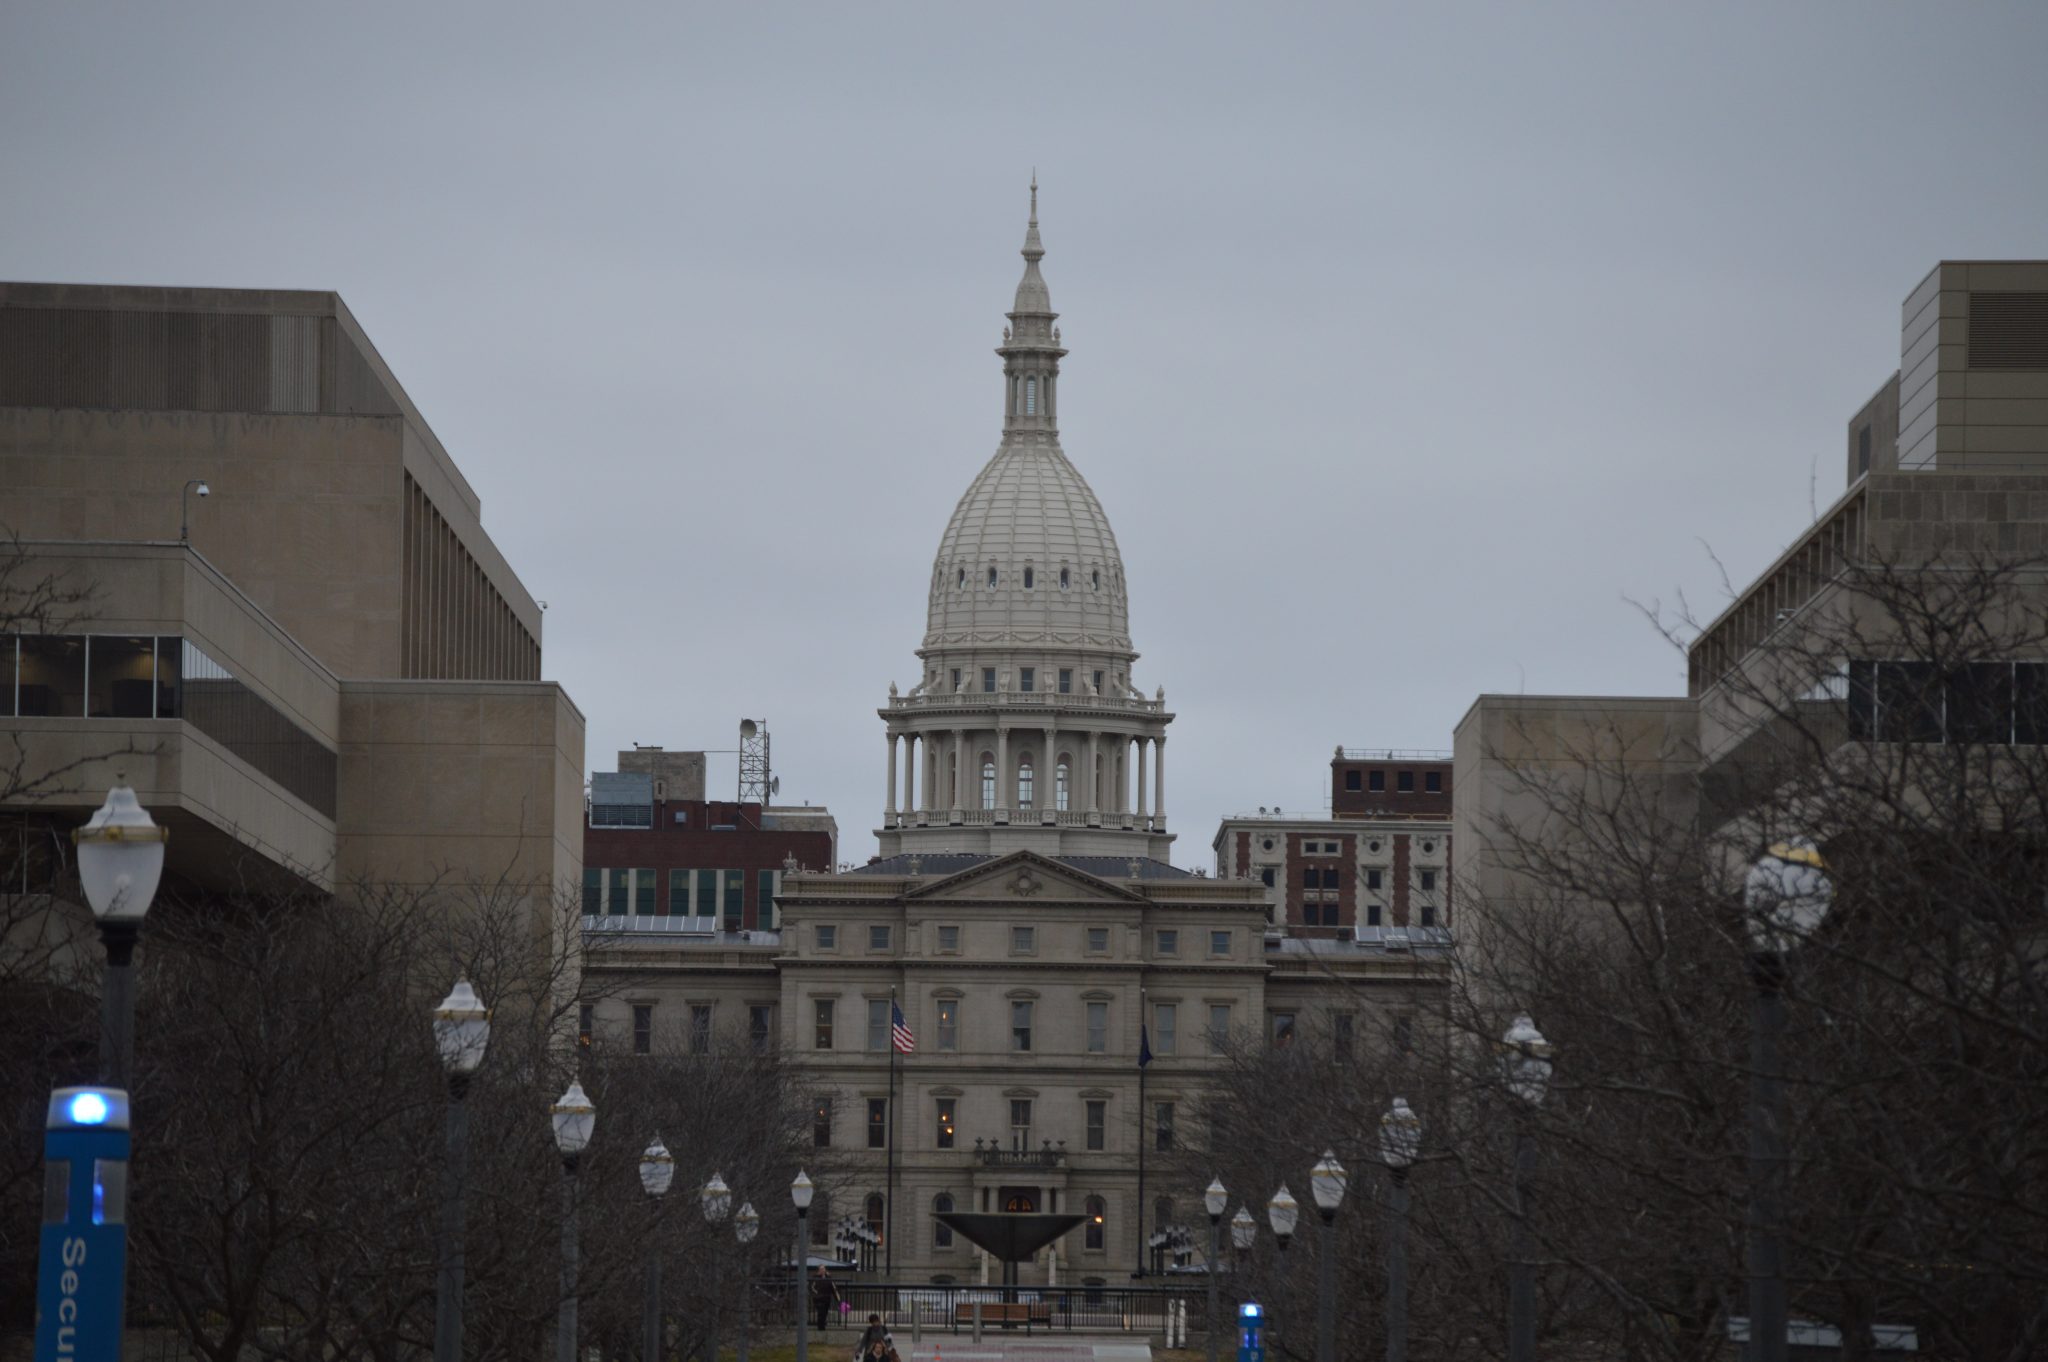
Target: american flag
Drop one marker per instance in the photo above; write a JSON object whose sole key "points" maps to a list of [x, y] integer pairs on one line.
{"points": [[899, 1031]]}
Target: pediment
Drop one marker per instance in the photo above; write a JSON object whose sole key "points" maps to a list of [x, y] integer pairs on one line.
{"points": [[1026, 877]]}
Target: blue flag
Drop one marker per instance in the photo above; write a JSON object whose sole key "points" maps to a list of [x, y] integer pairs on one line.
{"points": [[1144, 1046]]}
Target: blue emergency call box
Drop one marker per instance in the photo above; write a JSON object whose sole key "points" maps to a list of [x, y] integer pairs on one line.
{"points": [[82, 1274], [1250, 1320]]}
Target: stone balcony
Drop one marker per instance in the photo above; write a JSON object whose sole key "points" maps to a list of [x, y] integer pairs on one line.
{"points": [[906, 706], [1023, 818], [1049, 1155]]}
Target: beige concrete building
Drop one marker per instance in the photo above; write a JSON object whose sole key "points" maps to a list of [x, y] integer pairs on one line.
{"points": [[332, 674]]}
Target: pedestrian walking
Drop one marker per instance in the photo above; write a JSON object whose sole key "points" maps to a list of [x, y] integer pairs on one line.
{"points": [[824, 1297]]}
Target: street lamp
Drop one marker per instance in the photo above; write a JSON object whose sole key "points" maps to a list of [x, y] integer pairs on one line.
{"points": [[462, 1030], [574, 1118], [717, 1202], [657, 1171], [185, 507], [1787, 894], [1326, 1184], [1525, 1067], [1215, 1200], [800, 1192], [120, 860], [1243, 1229], [1400, 1141], [745, 1226], [1281, 1213]]}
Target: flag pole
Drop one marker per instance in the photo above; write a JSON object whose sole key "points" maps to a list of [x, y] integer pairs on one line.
{"points": [[1144, 1062], [889, 1186]]}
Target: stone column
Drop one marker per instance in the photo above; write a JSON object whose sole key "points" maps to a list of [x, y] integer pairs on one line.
{"points": [[889, 811], [909, 772], [1141, 780], [1159, 782], [959, 769], [1004, 790], [1047, 787], [1090, 776]]}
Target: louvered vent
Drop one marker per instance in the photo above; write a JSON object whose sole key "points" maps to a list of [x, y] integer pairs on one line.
{"points": [[2009, 330]]}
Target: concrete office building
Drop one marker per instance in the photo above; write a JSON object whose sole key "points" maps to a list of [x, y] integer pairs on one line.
{"points": [[336, 676], [1022, 913]]}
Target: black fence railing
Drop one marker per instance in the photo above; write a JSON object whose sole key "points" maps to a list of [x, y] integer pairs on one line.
{"points": [[949, 1308]]}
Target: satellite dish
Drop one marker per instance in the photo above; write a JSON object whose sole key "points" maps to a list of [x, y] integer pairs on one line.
{"points": [[775, 786], [747, 729]]}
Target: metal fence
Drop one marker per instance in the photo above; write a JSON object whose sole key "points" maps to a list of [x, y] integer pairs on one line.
{"points": [[916, 1307]]}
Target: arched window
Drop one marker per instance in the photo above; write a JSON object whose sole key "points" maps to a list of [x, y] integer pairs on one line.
{"points": [[1027, 579], [1062, 779], [821, 1217], [1096, 1233], [988, 781], [962, 583], [873, 1212], [1095, 580], [942, 1233], [1031, 397], [1063, 579], [1162, 1213], [991, 576], [1024, 782]]}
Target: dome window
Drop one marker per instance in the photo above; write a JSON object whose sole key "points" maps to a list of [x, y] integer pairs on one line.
{"points": [[1095, 580], [1024, 783], [991, 577], [1031, 397], [1027, 579], [1063, 579], [962, 583], [988, 781]]}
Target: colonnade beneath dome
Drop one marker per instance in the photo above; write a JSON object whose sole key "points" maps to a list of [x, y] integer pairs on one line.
{"points": [[1026, 774]]}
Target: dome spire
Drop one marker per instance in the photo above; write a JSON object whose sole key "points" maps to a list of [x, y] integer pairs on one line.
{"points": [[1033, 297]]}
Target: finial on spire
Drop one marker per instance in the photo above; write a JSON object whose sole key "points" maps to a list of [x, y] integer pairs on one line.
{"points": [[1034, 196], [1034, 250]]}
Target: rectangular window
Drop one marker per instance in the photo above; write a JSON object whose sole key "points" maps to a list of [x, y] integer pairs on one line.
{"points": [[1433, 782], [1023, 940], [822, 1036], [1311, 878], [949, 1024], [1429, 915], [593, 887], [878, 1025], [761, 1027], [988, 680], [1162, 1127], [1098, 941], [1283, 1028], [827, 937], [1219, 1028], [643, 893], [1407, 783], [1020, 1123], [1167, 941], [643, 1028], [1372, 879], [586, 1025], [764, 899], [1428, 881], [956, 680], [707, 895], [1354, 780], [1098, 1028], [945, 1129], [878, 1122], [735, 899], [1098, 683], [700, 1028], [1372, 915], [1266, 877], [678, 893], [949, 941], [1027, 678], [1404, 1034], [1098, 1125], [1165, 1028], [1340, 1034], [1378, 781], [1020, 1025], [1219, 942], [821, 1124], [1331, 878], [1066, 680], [878, 938]]}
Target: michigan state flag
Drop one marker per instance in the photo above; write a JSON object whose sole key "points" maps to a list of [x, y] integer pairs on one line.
{"points": [[1144, 1046]]}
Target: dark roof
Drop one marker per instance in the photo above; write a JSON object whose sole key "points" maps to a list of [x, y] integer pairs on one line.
{"points": [[939, 863]]}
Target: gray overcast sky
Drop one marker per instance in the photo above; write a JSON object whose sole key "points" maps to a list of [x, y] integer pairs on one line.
{"points": [[1407, 344]]}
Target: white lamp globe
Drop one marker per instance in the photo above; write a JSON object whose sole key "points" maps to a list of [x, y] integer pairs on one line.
{"points": [[717, 1199], [1216, 1199], [1326, 1182], [1525, 1061], [575, 1118], [1787, 894], [120, 858], [657, 1169], [462, 1028], [1243, 1228], [1400, 1135], [801, 1190], [747, 1223], [1282, 1212]]}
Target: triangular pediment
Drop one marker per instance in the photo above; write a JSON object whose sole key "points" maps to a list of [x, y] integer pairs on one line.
{"points": [[1027, 877]]}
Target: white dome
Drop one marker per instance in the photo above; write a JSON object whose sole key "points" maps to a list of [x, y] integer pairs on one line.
{"points": [[1030, 520]]}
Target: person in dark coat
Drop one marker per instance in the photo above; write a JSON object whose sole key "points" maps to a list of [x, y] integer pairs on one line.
{"points": [[824, 1296]]}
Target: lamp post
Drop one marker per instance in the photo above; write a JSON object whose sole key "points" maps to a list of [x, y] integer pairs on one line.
{"points": [[1215, 1200], [657, 1171], [1326, 1184], [1525, 1065], [1400, 1141], [717, 1200], [462, 1029], [1243, 1229], [745, 1226], [1787, 893], [185, 507], [1282, 1212], [800, 1192], [120, 861], [574, 1119]]}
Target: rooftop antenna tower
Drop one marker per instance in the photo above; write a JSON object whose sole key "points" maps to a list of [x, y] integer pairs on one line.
{"points": [[757, 784]]}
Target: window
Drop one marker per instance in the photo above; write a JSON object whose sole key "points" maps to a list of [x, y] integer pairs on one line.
{"points": [[1354, 780], [1219, 942], [1340, 1034], [593, 879], [1020, 1123], [949, 1024], [678, 892], [1433, 782], [1165, 1028], [960, 584], [700, 1028], [643, 893], [1027, 677], [1372, 879], [1095, 579], [988, 783], [1098, 1028], [1311, 878], [586, 1024], [1020, 1025], [1266, 877], [1066, 681], [1406, 783], [1098, 1124], [1098, 683], [956, 679], [1098, 941], [942, 1204], [1162, 1127], [1428, 881], [988, 677], [643, 1028], [1332, 878], [1031, 397], [1027, 586], [1372, 915], [1024, 782], [878, 1025], [1023, 940], [764, 899], [1167, 941], [735, 899], [761, 1027], [1404, 1034], [1096, 1211], [1378, 781], [1283, 1028], [949, 940], [1219, 1028], [1863, 451], [878, 938], [1429, 915], [878, 1122], [827, 937], [991, 577], [821, 1124], [873, 1211], [823, 1013], [945, 1129]]}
